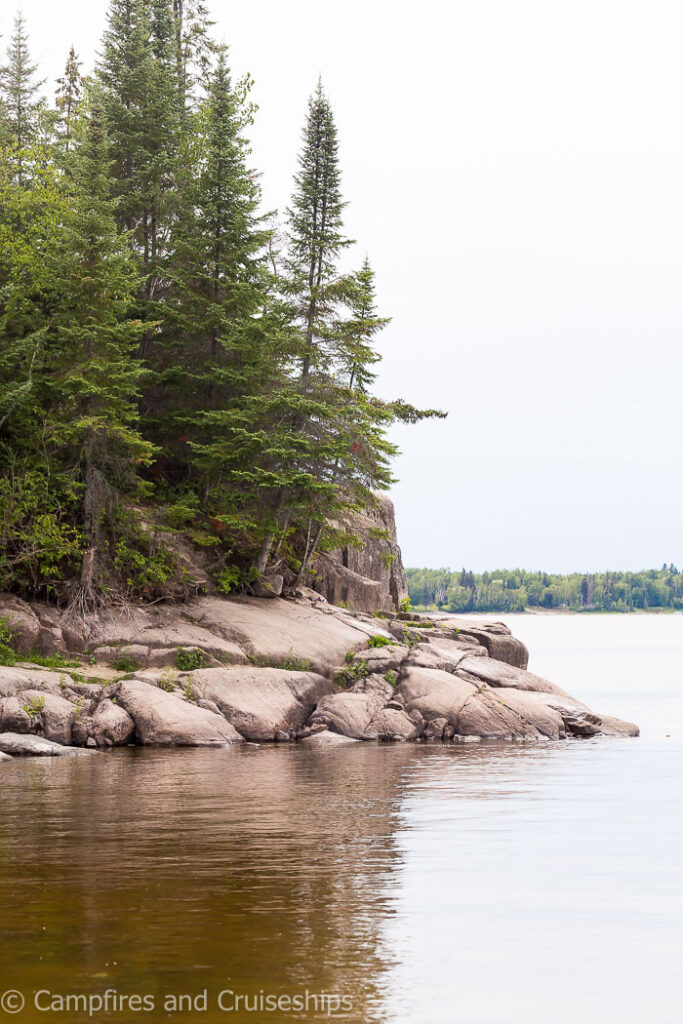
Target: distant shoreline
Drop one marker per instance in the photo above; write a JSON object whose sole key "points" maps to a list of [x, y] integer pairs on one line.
{"points": [[543, 612]]}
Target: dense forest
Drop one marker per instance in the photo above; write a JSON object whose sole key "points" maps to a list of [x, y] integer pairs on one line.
{"points": [[170, 359], [514, 590]]}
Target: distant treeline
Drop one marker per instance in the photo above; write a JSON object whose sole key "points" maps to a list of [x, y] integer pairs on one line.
{"points": [[513, 590]]}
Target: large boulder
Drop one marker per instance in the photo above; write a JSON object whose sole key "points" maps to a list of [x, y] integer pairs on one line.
{"points": [[23, 623], [494, 636], [348, 713], [36, 746], [262, 702], [435, 694], [15, 718], [392, 723], [165, 720], [54, 715], [580, 721], [110, 725]]}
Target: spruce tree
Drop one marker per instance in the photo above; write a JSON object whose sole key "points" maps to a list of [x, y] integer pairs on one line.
{"points": [[193, 49], [356, 354], [138, 72], [218, 256], [93, 389], [24, 113], [68, 96], [316, 238]]}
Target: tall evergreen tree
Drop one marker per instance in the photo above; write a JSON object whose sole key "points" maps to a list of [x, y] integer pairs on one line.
{"points": [[217, 275], [193, 48], [92, 341], [68, 96], [23, 110], [139, 75], [357, 355], [316, 238]]}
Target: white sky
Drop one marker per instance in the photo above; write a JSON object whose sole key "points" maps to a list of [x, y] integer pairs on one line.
{"points": [[514, 169]]}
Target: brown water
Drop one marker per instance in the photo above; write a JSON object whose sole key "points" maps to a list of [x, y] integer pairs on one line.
{"points": [[485, 883]]}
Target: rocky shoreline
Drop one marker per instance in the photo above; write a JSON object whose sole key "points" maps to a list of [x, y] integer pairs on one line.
{"points": [[216, 672]]}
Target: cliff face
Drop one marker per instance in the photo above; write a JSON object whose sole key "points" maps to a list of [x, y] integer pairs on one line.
{"points": [[368, 575]]}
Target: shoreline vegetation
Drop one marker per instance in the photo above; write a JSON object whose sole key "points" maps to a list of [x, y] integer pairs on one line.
{"points": [[517, 591], [177, 368]]}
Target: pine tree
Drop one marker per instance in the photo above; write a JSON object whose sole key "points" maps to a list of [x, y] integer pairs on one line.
{"points": [[24, 113], [68, 96]]}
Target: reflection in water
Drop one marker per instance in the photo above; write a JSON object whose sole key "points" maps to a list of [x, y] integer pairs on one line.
{"points": [[477, 884], [173, 871]]}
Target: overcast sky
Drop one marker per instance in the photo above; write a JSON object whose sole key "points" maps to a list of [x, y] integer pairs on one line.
{"points": [[514, 169]]}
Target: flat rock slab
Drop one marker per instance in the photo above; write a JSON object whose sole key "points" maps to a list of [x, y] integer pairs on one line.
{"points": [[35, 746], [262, 702], [282, 632], [15, 680], [499, 673], [164, 720]]}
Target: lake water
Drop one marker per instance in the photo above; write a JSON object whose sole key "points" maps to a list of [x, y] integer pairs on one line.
{"points": [[484, 884]]}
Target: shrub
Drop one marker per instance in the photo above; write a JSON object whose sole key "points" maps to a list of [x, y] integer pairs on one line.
{"points": [[34, 707], [228, 579], [188, 660], [167, 680], [7, 655], [353, 674], [294, 664], [125, 663], [380, 641], [391, 677]]}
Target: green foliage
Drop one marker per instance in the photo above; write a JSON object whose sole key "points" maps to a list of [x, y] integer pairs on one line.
{"points": [[7, 654], [34, 707], [293, 664], [514, 590], [125, 663], [354, 673], [391, 677], [228, 579], [188, 690], [143, 564], [165, 356], [380, 641], [52, 661], [188, 660], [167, 680], [405, 605]]}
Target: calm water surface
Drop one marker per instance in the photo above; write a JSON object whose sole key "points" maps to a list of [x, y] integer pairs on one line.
{"points": [[488, 883]]}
